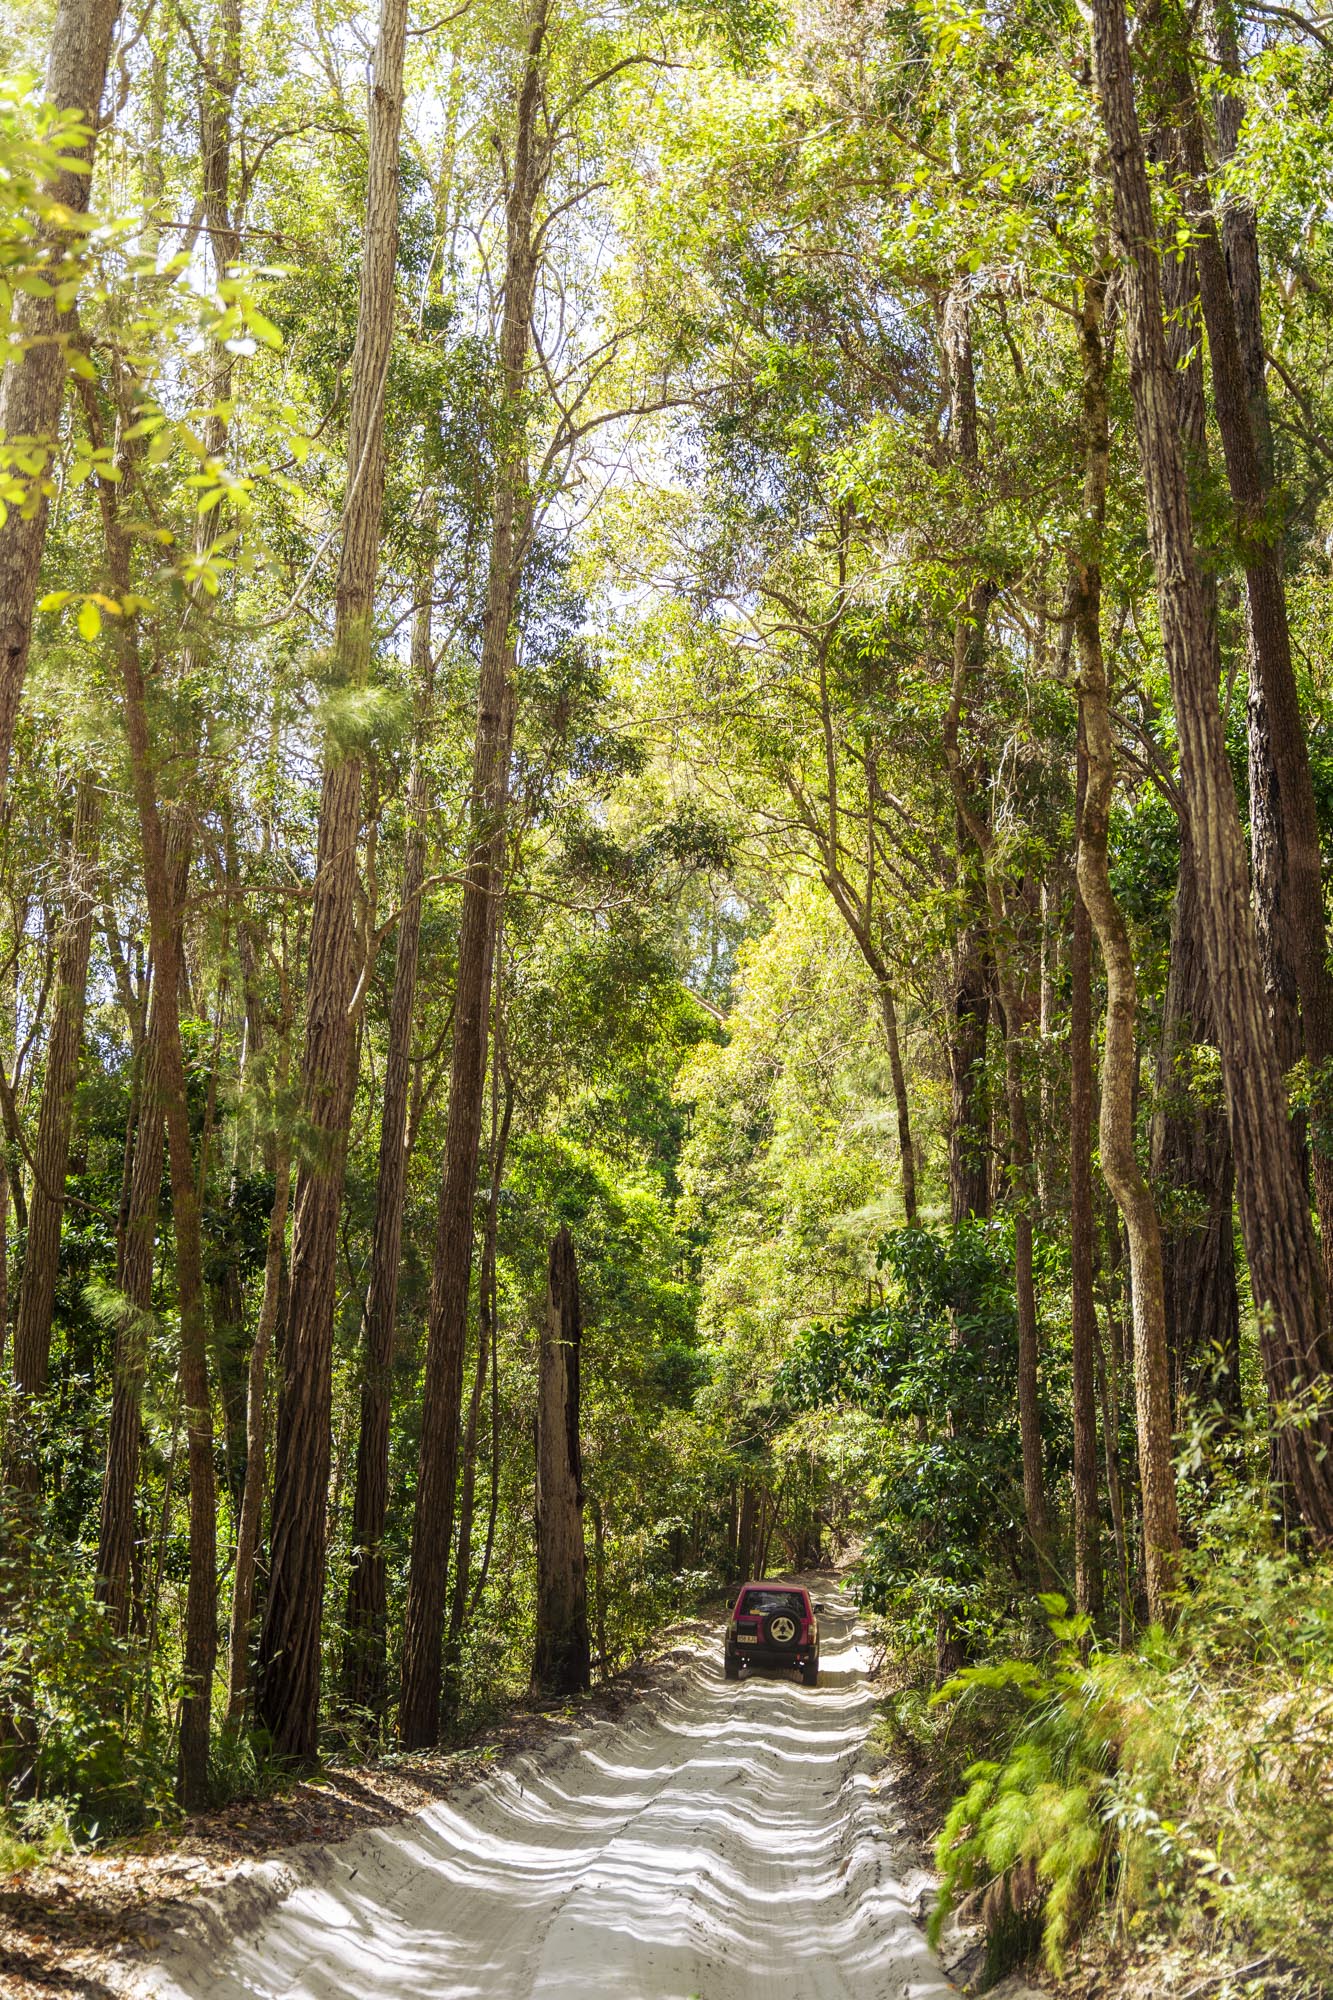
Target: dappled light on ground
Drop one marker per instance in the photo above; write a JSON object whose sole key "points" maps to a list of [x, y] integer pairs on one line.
{"points": [[718, 1842]]}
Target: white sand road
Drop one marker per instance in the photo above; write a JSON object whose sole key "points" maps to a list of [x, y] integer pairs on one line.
{"points": [[720, 1839]]}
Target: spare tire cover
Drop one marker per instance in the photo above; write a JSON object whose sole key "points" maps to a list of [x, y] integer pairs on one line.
{"points": [[782, 1629]]}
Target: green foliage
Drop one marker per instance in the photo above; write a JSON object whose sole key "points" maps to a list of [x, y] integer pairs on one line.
{"points": [[1188, 1780], [43, 245], [934, 1364], [748, 530], [355, 720], [1030, 1822], [79, 1738], [33, 1834]]}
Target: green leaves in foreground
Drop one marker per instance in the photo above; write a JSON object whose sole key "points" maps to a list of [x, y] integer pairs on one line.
{"points": [[1189, 1782], [1032, 1825]]}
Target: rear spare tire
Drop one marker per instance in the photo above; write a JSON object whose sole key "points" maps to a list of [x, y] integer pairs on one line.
{"points": [[783, 1631]]}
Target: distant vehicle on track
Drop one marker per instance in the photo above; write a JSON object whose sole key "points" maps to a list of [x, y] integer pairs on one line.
{"points": [[773, 1625]]}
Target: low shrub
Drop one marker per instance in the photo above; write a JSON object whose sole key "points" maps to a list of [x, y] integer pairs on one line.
{"points": [[34, 1833], [75, 1730], [1191, 1776]]}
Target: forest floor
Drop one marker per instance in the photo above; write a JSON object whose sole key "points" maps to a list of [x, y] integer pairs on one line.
{"points": [[66, 1926], [670, 1835], [667, 1835], [1178, 1956]]}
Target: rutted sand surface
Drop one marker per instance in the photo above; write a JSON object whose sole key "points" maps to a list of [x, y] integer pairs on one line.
{"points": [[717, 1841]]}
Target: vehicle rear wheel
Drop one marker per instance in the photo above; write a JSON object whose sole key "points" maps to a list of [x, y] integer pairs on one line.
{"points": [[731, 1666], [810, 1673]]}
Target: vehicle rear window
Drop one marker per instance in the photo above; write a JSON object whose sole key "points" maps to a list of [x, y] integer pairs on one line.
{"points": [[769, 1603]]}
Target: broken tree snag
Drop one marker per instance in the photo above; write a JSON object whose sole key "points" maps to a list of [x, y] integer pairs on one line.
{"points": [[561, 1661]]}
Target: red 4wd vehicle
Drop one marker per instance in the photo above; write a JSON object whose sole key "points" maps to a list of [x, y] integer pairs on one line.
{"points": [[773, 1625]]}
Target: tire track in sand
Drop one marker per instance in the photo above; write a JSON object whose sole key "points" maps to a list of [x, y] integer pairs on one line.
{"points": [[719, 1841]]}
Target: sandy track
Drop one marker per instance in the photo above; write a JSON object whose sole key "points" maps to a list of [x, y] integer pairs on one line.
{"points": [[719, 1841]]}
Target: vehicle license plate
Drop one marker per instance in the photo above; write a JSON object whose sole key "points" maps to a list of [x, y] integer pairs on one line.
{"points": [[747, 1638]]}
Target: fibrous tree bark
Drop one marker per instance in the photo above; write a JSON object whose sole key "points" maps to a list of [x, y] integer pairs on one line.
{"points": [[41, 1261], [746, 1522], [256, 1430], [364, 1661], [164, 912], [1288, 863], [1021, 1190], [562, 1656], [599, 1585], [252, 1493], [163, 1104], [888, 1012], [1191, 1143], [1191, 1160], [4, 1255], [1285, 1268], [465, 1598], [1088, 1590], [1108, 1396], [451, 1274], [288, 1688], [32, 388], [136, 1244], [1120, 1164]]}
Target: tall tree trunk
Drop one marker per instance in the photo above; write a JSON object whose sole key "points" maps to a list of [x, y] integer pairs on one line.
{"points": [[4, 1254], [364, 1662], [252, 1494], [493, 1503], [969, 646], [906, 1150], [1191, 1142], [288, 1690], [969, 1112], [228, 1314], [1083, 1305], [1109, 1398], [134, 1282], [561, 1658], [1288, 874], [1288, 864], [1286, 1271], [1191, 1156], [32, 388], [277, 1158], [1022, 1191], [1120, 1165], [488, 1308], [745, 1532], [41, 1262], [451, 1274], [164, 910], [599, 1585]]}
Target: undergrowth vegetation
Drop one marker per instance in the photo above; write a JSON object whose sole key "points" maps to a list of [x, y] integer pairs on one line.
{"points": [[90, 1752], [1182, 1785], [700, 769]]}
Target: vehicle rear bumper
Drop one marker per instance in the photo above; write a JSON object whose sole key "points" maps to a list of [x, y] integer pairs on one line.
{"points": [[770, 1656]]}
